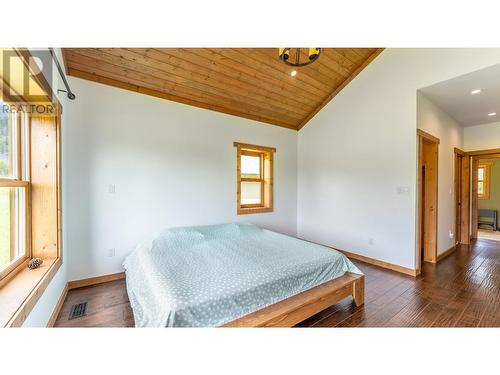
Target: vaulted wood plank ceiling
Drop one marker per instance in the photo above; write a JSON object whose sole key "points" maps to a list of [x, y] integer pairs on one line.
{"points": [[246, 82]]}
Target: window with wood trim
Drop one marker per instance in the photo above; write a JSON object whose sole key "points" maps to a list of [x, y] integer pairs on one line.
{"points": [[254, 173], [483, 181], [30, 183], [14, 189]]}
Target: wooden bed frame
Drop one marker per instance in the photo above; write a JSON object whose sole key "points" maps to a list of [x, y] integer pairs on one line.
{"points": [[293, 310]]}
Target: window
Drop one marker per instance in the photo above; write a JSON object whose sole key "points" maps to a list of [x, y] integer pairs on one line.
{"points": [[254, 178], [30, 181], [14, 189], [483, 181]]}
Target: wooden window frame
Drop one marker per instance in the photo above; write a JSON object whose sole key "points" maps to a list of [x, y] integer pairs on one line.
{"points": [[21, 289], [486, 181], [266, 155], [16, 181]]}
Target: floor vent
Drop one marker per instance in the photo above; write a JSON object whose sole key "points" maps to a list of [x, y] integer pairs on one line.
{"points": [[78, 310]]}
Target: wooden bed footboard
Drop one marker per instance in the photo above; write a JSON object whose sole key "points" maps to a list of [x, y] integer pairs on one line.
{"points": [[295, 309]]}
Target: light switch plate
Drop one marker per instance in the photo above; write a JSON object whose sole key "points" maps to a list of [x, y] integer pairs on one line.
{"points": [[403, 190]]}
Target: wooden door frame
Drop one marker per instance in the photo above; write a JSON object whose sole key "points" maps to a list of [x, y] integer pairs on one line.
{"points": [[462, 201], [474, 157], [423, 136]]}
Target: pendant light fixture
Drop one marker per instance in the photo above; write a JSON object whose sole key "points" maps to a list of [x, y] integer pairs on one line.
{"points": [[296, 57]]}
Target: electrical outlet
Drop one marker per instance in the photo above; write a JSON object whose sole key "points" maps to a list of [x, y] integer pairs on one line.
{"points": [[371, 241], [111, 252], [111, 189], [451, 234]]}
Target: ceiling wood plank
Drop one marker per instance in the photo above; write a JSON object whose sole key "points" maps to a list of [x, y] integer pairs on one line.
{"points": [[247, 82], [318, 72], [281, 93], [269, 67], [180, 84], [143, 90], [278, 81], [278, 66], [138, 80], [173, 65]]}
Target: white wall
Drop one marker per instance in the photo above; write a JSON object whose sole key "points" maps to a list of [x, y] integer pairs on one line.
{"points": [[482, 137], [437, 122], [357, 151], [171, 164]]}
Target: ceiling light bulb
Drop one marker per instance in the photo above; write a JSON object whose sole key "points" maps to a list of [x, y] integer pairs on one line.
{"points": [[476, 91], [492, 114], [293, 73]]}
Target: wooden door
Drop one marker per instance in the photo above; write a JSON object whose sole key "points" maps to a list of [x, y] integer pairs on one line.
{"points": [[428, 198]]}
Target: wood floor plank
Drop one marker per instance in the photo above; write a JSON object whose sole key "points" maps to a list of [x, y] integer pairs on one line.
{"points": [[463, 290]]}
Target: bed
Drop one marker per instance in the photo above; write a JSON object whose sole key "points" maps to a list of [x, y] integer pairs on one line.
{"points": [[235, 275]]}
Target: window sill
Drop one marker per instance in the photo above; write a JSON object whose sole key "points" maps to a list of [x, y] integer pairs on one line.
{"points": [[19, 295], [256, 210]]}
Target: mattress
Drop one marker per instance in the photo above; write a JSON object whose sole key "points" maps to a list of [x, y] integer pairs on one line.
{"points": [[207, 276]]}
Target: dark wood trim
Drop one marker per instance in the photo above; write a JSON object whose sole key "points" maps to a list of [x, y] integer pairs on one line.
{"points": [[338, 89]]}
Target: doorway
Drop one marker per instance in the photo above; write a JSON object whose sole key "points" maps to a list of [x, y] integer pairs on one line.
{"points": [[485, 197], [428, 149]]}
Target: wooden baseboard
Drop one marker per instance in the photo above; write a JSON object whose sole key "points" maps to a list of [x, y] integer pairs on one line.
{"points": [[80, 284], [380, 263], [95, 280], [58, 307], [450, 251], [375, 262]]}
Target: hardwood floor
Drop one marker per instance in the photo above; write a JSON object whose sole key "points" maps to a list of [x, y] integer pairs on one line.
{"points": [[462, 290], [488, 234]]}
